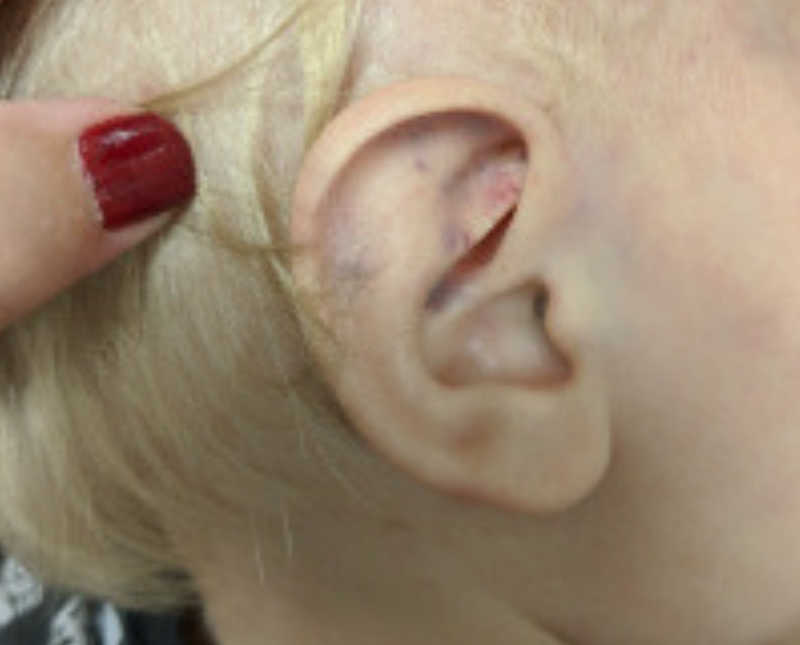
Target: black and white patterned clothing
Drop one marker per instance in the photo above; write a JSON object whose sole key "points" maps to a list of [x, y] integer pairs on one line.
{"points": [[33, 615]]}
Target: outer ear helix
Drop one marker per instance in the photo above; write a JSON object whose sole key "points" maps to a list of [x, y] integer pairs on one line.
{"points": [[379, 112]]}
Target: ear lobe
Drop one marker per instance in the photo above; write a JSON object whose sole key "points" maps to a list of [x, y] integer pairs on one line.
{"points": [[422, 215]]}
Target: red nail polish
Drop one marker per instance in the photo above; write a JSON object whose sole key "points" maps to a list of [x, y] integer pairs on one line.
{"points": [[139, 165]]}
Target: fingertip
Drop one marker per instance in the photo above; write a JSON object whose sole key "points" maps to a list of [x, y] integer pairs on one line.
{"points": [[81, 182], [138, 166]]}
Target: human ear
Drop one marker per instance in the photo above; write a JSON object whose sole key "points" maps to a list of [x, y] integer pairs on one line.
{"points": [[426, 221]]}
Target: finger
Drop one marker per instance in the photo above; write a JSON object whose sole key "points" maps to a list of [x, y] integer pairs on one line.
{"points": [[80, 183]]}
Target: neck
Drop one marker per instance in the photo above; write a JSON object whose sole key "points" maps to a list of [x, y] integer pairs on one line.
{"points": [[348, 591]]}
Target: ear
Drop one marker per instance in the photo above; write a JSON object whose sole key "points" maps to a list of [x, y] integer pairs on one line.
{"points": [[426, 220]]}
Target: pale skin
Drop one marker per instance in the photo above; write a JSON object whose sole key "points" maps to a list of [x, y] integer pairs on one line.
{"points": [[50, 225], [659, 207]]}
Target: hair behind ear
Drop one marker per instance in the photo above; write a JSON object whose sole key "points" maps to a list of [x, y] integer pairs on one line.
{"points": [[151, 396]]}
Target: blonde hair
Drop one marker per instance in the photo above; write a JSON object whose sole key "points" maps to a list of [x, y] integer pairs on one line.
{"points": [[149, 392]]}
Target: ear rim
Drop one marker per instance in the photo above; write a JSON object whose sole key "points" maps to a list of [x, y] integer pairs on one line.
{"points": [[359, 127], [437, 458]]}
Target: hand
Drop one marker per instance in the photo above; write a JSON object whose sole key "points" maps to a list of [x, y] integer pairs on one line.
{"points": [[80, 183]]}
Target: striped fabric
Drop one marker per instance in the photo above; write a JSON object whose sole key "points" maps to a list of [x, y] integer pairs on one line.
{"points": [[32, 615]]}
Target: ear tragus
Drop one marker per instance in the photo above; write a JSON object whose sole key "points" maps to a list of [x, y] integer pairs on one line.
{"points": [[461, 364]]}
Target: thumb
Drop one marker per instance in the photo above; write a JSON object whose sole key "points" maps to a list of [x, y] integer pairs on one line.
{"points": [[80, 183]]}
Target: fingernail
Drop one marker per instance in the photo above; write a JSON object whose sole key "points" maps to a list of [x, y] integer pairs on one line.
{"points": [[139, 167]]}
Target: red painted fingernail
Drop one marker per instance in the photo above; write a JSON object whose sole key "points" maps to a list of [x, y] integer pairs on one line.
{"points": [[139, 166]]}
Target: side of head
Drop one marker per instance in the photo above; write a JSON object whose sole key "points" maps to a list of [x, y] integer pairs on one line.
{"points": [[503, 332], [548, 287]]}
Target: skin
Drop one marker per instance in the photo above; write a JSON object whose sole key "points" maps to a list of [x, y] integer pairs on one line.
{"points": [[39, 168], [681, 123]]}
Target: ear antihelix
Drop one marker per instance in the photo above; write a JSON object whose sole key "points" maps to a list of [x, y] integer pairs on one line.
{"points": [[483, 200], [488, 189]]}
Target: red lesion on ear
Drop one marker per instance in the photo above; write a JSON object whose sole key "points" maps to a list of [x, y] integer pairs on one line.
{"points": [[504, 189], [489, 192], [479, 217]]}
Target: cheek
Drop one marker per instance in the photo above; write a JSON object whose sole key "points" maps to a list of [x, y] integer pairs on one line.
{"points": [[718, 314], [704, 358]]}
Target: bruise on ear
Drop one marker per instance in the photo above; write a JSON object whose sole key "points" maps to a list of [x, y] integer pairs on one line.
{"points": [[422, 166], [348, 262], [466, 169]]}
